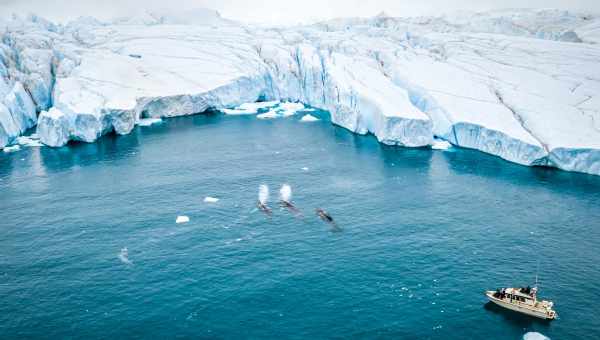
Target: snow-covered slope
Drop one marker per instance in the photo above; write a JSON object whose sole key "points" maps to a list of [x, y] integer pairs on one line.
{"points": [[520, 84]]}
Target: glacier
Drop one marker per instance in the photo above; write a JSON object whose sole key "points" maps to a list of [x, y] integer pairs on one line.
{"points": [[522, 85]]}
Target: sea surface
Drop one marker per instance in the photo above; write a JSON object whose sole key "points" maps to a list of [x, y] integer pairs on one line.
{"points": [[89, 247]]}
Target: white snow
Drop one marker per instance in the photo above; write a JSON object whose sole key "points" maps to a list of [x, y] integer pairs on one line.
{"points": [[520, 84], [209, 199], [182, 219], [535, 336], [309, 118], [149, 121]]}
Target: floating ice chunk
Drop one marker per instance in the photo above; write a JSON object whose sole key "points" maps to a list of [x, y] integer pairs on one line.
{"points": [[124, 256], [258, 105], [268, 115], [238, 112], [182, 219], [149, 121], [305, 168], [440, 144], [28, 141], [249, 108], [209, 199], [309, 118], [290, 109], [11, 148], [535, 336], [291, 106]]}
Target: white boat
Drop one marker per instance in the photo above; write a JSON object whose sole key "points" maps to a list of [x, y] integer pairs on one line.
{"points": [[523, 300]]}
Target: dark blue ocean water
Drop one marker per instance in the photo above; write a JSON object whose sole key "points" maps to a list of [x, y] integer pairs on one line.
{"points": [[424, 234]]}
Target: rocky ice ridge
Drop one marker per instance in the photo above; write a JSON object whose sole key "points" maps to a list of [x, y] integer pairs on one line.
{"points": [[520, 84]]}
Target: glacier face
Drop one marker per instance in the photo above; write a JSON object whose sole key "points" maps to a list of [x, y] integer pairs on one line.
{"points": [[522, 85]]}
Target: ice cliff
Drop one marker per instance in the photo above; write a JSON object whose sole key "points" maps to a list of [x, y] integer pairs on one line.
{"points": [[522, 84]]}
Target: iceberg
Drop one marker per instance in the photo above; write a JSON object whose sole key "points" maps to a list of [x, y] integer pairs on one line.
{"points": [[209, 199], [29, 141], [518, 84], [149, 121], [309, 118], [182, 219], [268, 115], [250, 108], [12, 148], [439, 144]]}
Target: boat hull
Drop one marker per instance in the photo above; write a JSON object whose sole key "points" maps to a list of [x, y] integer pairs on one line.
{"points": [[520, 309]]}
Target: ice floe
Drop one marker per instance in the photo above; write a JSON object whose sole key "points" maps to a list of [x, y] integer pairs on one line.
{"points": [[149, 121], [269, 115], [309, 118], [29, 141], [535, 336], [12, 148], [439, 144], [209, 199], [182, 219], [249, 108], [124, 256]]}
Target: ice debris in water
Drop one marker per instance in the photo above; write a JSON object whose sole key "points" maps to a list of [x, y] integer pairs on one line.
{"points": [[268, 115], [290, 109], [285, 193], [535, 336], [182, 219], [30, 141], [263, 194], [124, 256], [286, 109], [309, 118], [305, 168], [249, 108], [149, 121], [440, 144], [209, 199], [11, 148]]}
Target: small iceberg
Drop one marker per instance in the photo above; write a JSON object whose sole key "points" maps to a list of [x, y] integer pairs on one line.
{"points": [[535, 336], [440, 144], [209, 199], [309, 118], [249, 108], [268, 115], [182, 219], [149, 121], [30, 141], [124, 256], [12, 148], [289, 109]]}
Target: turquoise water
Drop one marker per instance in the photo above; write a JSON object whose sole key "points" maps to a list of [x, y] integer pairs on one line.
{"points": [[424, 234]]}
